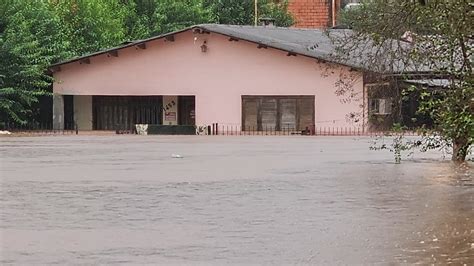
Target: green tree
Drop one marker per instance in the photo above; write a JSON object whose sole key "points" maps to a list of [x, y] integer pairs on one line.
{"points": [[139, 20], [437, 37], [91, 25], [30, 39], [172, 15], [276, 10], [241, 12]]}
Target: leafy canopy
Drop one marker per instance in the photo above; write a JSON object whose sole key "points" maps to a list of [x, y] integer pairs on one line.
{"points": [[241, 12], [434, 36], [31, 38]]}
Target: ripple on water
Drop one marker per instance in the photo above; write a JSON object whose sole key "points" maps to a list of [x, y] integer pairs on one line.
{"points": [[291, 210]]}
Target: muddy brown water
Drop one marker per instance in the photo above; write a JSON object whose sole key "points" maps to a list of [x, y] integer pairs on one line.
{"points": [[229, 200]]}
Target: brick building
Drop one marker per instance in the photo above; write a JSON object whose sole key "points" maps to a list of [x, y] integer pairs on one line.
{"points": [[316, 13]]}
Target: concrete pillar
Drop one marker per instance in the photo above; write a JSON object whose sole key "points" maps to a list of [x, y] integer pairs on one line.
{"points": [[83, 112], [58, 112], [170, 110]]}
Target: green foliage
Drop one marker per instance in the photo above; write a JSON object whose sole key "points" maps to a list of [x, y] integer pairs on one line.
{"points": [[30, 40], [453, 113], [146, 18], [241, 12], [91, 25], [398, 145], [277, 11], [234, 12], [438, 37], [139, 20], [172, 15]]}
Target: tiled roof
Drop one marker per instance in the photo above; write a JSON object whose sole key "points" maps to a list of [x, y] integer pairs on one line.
{"points": [[318, 44]]}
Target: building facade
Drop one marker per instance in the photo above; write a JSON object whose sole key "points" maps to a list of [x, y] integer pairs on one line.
{"points": [[251, 78]]}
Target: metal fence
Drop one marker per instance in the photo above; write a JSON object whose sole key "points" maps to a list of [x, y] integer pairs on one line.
{"points": [[238, 130], [214, 129], [38, 128]]}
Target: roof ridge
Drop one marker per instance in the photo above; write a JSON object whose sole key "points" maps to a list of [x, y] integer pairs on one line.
{"points": [[260, 27], [313, 43]]}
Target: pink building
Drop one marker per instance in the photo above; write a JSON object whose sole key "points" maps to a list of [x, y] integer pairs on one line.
{"points": [[253, 78]]}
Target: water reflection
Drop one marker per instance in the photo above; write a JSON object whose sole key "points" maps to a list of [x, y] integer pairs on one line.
{"points": [[447, 233]]}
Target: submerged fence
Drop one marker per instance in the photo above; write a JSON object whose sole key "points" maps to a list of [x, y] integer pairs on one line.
{"points": [[215, 129], [38, 128], [238, 130]]}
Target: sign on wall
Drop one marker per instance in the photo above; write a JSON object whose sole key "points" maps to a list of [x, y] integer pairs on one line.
{"points": [[170, 116]]}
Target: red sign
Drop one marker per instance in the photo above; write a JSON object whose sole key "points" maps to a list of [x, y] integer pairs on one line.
{"points": [[170, 116]]}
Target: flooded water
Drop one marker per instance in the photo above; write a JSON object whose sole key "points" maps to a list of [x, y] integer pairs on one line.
{"points": [[229, 200]]}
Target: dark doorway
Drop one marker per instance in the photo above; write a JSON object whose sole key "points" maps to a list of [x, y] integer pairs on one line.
{"points": [[186, 110], [123, 112], [68, 112]]}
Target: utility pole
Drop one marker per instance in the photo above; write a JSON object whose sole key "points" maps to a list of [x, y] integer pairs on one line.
{"points": [[256, 12]]}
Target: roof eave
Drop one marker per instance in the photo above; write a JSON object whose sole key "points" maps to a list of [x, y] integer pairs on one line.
{"points": [[131, 44], [207, 29], [284, 50], [202, 27]]}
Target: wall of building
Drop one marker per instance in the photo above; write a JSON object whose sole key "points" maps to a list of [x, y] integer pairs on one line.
{"points": [[311, 13], [218, 77], [83, 111], [58, 111]]}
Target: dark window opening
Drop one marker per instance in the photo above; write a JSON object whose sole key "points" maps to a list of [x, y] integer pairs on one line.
{"points": [[280, 113], [186, 110], [68, 112]]}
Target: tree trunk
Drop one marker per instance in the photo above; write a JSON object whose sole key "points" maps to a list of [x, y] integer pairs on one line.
{"points": [[460, 148]]}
